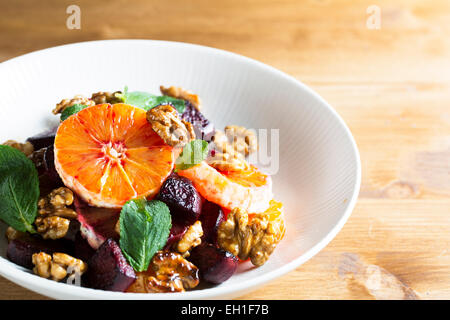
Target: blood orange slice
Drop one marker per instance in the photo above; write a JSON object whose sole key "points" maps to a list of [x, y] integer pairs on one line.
{"points": [[249, 189], [109, 154]]}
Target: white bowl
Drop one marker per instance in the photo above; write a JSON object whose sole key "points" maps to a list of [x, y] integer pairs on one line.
{"points": [[319, 168]]}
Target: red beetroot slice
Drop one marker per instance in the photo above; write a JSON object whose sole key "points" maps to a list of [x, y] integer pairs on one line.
{"points": [[183, 200], [44, 139], [216, 265], [212, 216], [82, 248], [204, 129], [97, 224], [108, 269], [21, 250], [176, 233]]}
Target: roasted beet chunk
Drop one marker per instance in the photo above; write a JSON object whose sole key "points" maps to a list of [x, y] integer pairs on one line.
{"points": [[176, 233], [44, 160], [108, 269], [43, 140], [21, 250], [212, 216], [82, 249], [182, 199], [215, 265], [203, 128], [97, 224]]}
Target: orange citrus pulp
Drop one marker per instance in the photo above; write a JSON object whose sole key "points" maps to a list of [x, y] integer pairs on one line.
{"points": [[109, 154], [249, 190]]}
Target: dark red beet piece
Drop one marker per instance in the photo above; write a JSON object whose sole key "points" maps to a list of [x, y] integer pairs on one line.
{"points": [[216, 265], [212, 216], [44, 139], [97, 224], [21, 250], [44, 160], [49, 166], [183, 200], [203, 128], [176, 232], [108, 269], [82, 249]]}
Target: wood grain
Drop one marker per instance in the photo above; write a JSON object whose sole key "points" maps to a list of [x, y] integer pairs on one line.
{"points": [[391, 86]]}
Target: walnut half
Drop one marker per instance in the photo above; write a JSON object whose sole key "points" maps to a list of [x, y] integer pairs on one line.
{"points": [[166, 123], [27, 148], [231, 147], [255, 239], [191, 238], [168, 272], [54, 215], [57, 267], [78, 99], [106, 97]]}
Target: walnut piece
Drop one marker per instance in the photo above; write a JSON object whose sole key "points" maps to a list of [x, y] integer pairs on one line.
{"points": [[52, 227], [57, 267], [166, 123], [37, 157], [168, 272], [12, 234], [54, 216], [106, 97], [27, 148], [255, 239], [228, 151], [190, 239], [243, 140], [228, 161], [78, 99], [180, 93]]}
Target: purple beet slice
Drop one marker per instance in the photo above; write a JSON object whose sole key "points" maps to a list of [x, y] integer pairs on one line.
{"points": [[44, 139], [108, 269], [203, 128], [82, 249], [216, 265], [176, 233], [49, 166], [212, 216], [97, 224], [74, 229], [21, 250], [182, 198], [44, 160]]}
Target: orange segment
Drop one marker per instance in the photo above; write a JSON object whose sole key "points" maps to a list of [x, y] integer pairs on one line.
{"points": [[274, 211], [250, 177], [109, 154], [250, 190]]}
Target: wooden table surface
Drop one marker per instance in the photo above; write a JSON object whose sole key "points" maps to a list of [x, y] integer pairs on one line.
{"points": [[391, 85]]}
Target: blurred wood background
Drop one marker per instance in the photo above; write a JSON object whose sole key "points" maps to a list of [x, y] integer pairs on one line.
{"points": [[391, 85]]}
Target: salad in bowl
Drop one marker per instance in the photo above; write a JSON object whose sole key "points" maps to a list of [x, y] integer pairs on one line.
{"points": [[136, 192]]}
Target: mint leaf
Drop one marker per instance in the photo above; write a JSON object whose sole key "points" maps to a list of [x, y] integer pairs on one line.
{"points": [[67, 112], [19, 189], [193, 153], [147, 101], [144, 229], [178, 104]]}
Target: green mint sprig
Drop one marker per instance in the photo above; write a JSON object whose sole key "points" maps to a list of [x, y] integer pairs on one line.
{"points": [[148, 101], [144, 229], [67, 112], [19, 189], [193, 153]]}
